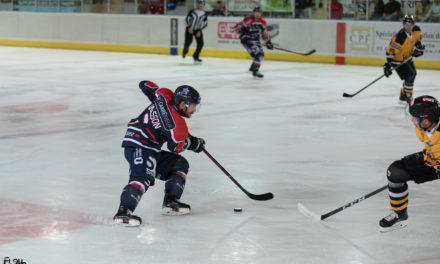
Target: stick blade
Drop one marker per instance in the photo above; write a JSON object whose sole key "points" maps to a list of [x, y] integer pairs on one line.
{"points": [[347, 95], [260, 197], [310, 52], [306, 212]]}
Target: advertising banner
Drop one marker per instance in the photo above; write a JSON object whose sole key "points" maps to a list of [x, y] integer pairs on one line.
{"points": [[279, 5], [372, 40], [266, 5], [245, 5]]}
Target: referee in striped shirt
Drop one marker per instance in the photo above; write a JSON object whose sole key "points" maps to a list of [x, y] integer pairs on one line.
{"points": [[196, 21]]}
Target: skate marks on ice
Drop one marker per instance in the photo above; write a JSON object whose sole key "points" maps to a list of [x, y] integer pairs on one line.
{"points": [[61, 131], [333, 232], [435, 259], [162, 230], [36, 107]]}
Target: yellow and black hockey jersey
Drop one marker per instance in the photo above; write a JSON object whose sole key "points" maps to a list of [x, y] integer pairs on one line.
{"points": [[402, 45], [431, 153]]}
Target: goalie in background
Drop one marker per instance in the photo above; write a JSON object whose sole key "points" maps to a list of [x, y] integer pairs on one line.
{"points": [[403, 46], [250, 30], [419, 167]]}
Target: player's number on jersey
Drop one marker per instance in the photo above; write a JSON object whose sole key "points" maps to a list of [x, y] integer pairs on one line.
{"points": [[151, 166]]}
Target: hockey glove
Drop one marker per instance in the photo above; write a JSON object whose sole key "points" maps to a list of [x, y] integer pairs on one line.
{"points": [[149, 89], [419, 50], [195, 144], [269, 45], [387, 69]]}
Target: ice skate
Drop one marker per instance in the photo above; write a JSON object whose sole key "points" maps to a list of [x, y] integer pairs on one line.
{"points": [[126, 218], [197, 60], [405, 98], [393, 221], [257, 74], [172, 206]]}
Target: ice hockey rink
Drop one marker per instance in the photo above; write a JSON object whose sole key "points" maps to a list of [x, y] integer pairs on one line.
{"points": [[63, 114]]}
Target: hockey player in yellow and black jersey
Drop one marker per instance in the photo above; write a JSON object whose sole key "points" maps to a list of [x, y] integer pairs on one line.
{"points": [[403, 46], [419, 167]]}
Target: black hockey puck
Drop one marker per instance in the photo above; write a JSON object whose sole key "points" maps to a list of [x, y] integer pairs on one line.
{"points": [[238, 209]]}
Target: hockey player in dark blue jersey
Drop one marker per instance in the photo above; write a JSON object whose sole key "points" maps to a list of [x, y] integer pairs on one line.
{"points": [[161, 122], [250, 30]]}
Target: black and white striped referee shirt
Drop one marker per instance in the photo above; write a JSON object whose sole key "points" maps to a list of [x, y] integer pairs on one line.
{"points": [[196, 19]]}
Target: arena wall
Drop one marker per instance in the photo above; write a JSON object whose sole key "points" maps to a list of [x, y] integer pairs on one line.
{"points": [[335, 41]]}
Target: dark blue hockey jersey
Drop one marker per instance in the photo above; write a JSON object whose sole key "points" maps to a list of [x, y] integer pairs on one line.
{"points": [[251, 29], [160, 122]]}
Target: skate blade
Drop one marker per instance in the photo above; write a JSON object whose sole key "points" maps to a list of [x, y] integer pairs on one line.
{"points": [[179, 211], [398, 225], [126, 223]]}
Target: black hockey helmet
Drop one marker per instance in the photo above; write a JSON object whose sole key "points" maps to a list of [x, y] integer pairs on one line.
{"points": [[408, 19], [258, 9], [425, 106], [187, 94]]}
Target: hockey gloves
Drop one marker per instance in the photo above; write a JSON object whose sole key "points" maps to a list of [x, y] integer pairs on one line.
{"points": [[387, 69], [419, 50], [269, 45], [195, 144]]}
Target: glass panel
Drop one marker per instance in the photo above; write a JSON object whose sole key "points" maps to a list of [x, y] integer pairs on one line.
{"points": [[128, 7], [100, 6], [392, 11], [25, 5], [381, 10], [47, 6], [427, 11], [70, 5], [178, 7], [304, 9], [6, 5], [151, 7]]}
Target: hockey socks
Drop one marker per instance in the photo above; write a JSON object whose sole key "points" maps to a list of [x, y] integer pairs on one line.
{"points": [[130, 197], [173, 191], [405, 95], [176, 184], [398, 193], [255, 66]]}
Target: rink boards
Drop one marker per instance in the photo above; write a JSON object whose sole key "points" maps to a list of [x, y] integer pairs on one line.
{"points": [[335, 41]]}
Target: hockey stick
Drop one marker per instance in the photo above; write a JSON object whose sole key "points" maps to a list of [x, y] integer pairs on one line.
{"points": [[295, 52], [316, 217], [258, 197], [368, 85]]}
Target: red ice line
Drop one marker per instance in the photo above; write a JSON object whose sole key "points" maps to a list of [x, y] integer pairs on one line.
{"points": [[20, 221]]}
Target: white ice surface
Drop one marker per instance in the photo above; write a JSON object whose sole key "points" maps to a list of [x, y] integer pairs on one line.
{"points": [[63, 114]]}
